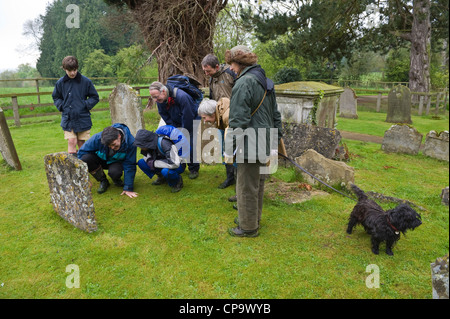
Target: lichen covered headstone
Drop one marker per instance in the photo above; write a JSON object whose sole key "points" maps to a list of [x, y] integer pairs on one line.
{"points": [[348, 104], [126, 107], [7, 147], [439, 278], [399, 105], [437, 145], [402, 139], [68, 181]]}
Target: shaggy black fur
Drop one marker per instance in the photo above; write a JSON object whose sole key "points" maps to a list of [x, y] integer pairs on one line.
{"points": [[382, 225]]}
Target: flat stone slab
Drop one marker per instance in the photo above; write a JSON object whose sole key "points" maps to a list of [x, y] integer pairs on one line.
{"points": [[68, 181]]}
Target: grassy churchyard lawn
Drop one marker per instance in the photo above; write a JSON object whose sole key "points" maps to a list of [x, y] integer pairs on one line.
{"points": [[165, 245]]}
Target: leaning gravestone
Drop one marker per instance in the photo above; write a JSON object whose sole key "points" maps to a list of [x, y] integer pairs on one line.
{"points": [[437, 145], [348, 104], [399, 105], [402, 139], [299, 138], [7, 147], [68, 181], [126, 107]]}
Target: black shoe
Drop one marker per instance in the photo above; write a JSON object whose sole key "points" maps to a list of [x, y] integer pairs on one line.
{"points": [[119, 182], [239, 232], [178, 187], [104, 184], [233, 199], [193, 174], [230, 177], [160, 180]]}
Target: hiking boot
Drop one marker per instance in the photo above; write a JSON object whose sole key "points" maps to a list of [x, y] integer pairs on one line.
{"points": [[100, 176], [118, 182], [233, 199], [178, 187], [160, 180], [239, 232], [104, 184], [193, 174], [230, 177]]}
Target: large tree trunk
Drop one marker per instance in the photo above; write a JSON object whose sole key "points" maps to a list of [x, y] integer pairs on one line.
{"points": [[419, 72], [179, 33]]}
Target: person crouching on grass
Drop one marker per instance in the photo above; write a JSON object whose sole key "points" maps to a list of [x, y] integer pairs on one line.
{"points": [[160, 158], [74, 95]]}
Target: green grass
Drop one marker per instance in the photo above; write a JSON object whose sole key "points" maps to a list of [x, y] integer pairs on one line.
{"points": [[164, 245], [373, 123]]}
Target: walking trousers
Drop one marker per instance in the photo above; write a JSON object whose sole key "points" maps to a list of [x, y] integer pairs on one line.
{"points": [[250, 193]]}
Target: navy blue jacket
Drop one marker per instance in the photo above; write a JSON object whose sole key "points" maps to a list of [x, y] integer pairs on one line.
{"points": [[75, 98], [179, 111], [126, 153]]}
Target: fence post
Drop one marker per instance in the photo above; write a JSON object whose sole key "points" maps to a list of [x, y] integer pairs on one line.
{"points": [[421, 98], [438, 97], [379, 102], [15, 106], [428, 104], [37, 90]]}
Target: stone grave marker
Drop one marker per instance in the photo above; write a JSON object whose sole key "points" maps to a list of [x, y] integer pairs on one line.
{"points": [[7, 147], [348, 104], [399, 105], [125, 107], [439, 278], [437, 145], [68, 181], [402, 139]]}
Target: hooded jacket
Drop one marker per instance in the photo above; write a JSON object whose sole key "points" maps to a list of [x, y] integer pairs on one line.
{"points": [[126, 153], [164, 155], [75, 98], [248, 92]]}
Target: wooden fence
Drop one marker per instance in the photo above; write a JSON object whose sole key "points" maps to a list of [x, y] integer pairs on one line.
{"points": [[425, 99], [15, 106]]}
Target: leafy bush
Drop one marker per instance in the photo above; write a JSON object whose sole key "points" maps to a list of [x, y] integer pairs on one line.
{"points": [[286, 75]]}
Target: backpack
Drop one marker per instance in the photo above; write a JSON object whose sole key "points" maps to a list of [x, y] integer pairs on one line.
{"points": [[177, 137], [188, 85]]}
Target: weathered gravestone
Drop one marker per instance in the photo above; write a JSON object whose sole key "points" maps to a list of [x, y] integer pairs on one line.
{"points": [[299, 138], [445, 196], [348, 104], [68, 181], [327, 170], [402, 139], [437, 145], [439, 278], [399, 105], [7, 147], [126, 107]]}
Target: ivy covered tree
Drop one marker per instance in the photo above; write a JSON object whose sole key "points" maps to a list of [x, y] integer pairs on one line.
{"points": [[178, 33]]}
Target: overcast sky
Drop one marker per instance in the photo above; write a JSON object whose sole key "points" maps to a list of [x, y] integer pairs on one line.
{"points": [[13, 48]]}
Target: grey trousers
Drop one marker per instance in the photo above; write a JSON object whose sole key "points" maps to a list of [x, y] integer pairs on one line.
{"points": [[250, 193]]}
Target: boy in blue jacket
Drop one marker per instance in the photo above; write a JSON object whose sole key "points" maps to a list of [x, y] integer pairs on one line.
{"points": [[111, 149], [74, 95]]}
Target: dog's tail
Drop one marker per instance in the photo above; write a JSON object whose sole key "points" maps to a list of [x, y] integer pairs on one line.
{"points": [[359, 193]]}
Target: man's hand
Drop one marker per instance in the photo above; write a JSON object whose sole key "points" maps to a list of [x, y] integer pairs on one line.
{"points": [[130, 194]]}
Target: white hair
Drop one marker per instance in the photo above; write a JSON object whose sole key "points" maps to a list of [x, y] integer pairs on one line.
{"points": [[158, 86], [207, 107]]}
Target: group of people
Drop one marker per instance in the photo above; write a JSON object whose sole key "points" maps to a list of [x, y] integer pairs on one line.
{"points": [[241, 98]]}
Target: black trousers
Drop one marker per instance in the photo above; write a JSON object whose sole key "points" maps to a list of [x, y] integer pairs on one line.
{"points": [[115, 170]]}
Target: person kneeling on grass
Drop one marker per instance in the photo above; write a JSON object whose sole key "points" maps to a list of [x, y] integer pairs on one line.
{"points": [[111, 149], [160, 158]]}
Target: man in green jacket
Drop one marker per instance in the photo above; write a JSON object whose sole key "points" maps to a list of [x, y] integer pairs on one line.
{"points": [[255, 128]]}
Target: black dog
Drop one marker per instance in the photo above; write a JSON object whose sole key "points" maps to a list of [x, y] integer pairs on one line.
{"points": [[382, 225]]}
